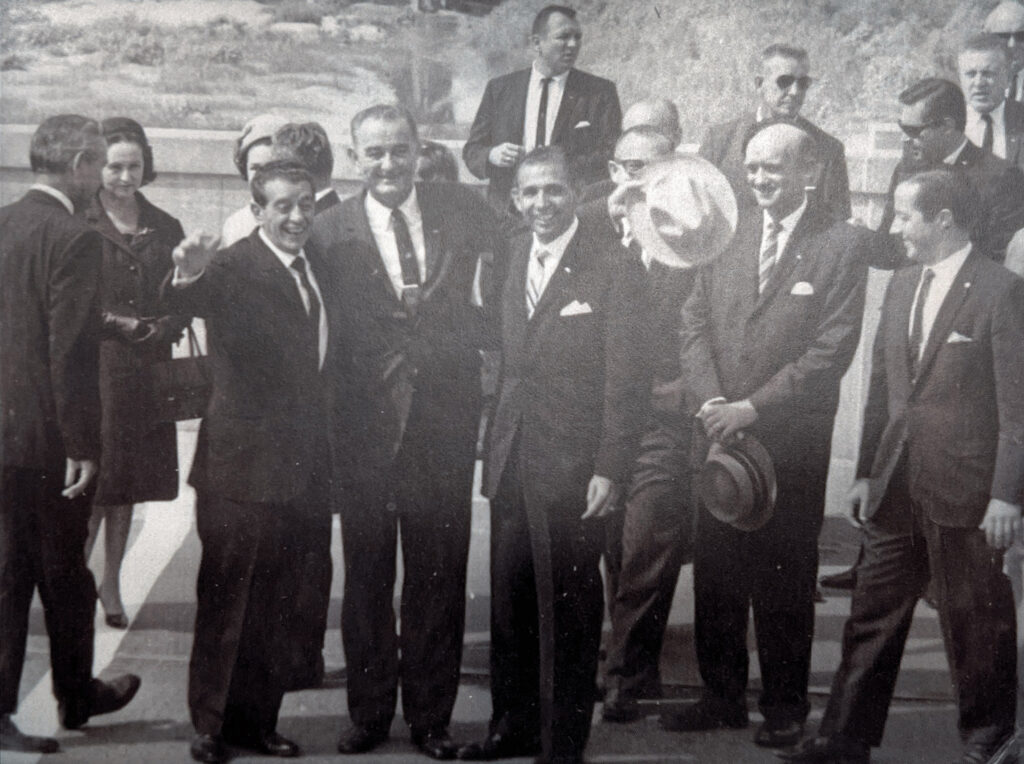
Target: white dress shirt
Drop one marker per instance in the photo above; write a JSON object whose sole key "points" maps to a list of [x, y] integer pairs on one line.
{"points": [[555, 249], [945, 274], [384, 235], [287, 259], [60, 196], [975, 129], [555, 92]]}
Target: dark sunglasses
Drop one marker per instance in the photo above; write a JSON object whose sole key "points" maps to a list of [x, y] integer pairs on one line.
{"points": [[785, 82], [1017, 37], [914, 131]]}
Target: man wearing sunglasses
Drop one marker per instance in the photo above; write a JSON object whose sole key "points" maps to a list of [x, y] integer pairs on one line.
{"points": [[782, 85], [933, 118], [1007, 21]]}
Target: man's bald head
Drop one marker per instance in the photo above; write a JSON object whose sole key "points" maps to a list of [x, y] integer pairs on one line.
{"points": [[779, 162], [637, 148], [659, 113]]}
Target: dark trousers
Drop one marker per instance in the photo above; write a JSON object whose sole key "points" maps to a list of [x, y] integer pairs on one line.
{"points": [[772, 569], [42, 544], [427, 497], [657, 528], [902, 547], [247, 631], [546, 610], [313, 602]]}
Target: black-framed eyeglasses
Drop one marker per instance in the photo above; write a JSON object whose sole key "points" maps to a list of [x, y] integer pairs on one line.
{"points": [[633, 167], [914, 131], [1017, 37], [785, 82]]}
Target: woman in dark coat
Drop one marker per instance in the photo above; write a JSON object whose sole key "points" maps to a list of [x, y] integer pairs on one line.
{"points": [[139, 460]]}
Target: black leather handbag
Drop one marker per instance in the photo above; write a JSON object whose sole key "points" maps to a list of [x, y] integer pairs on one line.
{"points": [[181, 386]]}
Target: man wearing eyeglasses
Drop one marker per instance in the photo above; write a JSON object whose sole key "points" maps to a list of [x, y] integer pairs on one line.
{"points": [[781, 86], [994, 122], [933, 118], [1007, 22]]}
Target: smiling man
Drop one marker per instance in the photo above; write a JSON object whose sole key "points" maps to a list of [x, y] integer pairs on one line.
{"points": [[993, 122], [781, 86], [261, 469], [551, 103]]}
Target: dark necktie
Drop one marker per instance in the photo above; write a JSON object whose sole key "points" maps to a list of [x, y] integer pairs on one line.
{"points": [[542, 114], [406, 250], [916, 326], [299, 266], [987, 138]]}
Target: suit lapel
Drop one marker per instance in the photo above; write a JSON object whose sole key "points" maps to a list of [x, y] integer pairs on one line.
{"points": [[97, 217], [514, 309], [566, 108], [517, 111], [791, 255], [947, 314], [559, 283], [358, 230], [434, 242], [899, 338], [268, 268]]}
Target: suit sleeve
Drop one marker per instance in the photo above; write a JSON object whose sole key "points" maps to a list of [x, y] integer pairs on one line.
{"points": [[204, 297], [1005, 216], [827, 357], [481, 135], [699, 370], [74, 311], [624, 392], [876, 410], [1008, 364], [836, 183], [888, 254]]}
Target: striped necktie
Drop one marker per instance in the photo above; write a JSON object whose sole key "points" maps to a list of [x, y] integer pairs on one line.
{"points": [[769, 254], [535, 280]]}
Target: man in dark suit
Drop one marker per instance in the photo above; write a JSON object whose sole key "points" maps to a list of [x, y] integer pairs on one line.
{"points": [[50, 442], [941, 472], [551, 103], [415, 303], [994, 123], [781, 88], [262, 466], [768, 332], [561, 440]]}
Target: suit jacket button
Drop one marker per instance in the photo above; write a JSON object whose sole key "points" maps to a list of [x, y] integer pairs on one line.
{"points": [[392, 506]]}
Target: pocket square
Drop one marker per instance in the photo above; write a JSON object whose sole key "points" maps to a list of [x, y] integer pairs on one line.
{"points": [[578, 125], [957, 337], [576, 308], [802, 288]]}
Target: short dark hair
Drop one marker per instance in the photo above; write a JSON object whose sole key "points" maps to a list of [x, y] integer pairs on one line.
{"points": [[942, 99], [810, 147], [437, 163], [548, 155], [540, 21], [945, 188], [278, 169], [987, 43], [385, 112], [307, 143], [782, 50], [59, 141], [126, 130]]}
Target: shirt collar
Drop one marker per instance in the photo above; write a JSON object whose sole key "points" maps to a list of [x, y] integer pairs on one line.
{"points": [[996, 114], [955, 155], [57, 194], [556, 247], [324, 192], [287, 258], [380, 216], [536, 76], [789, 222], [947, 268]]}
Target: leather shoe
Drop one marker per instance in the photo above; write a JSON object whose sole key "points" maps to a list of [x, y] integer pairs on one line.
{"points": [[13, 739], [705, 715], [437, 744], [844, 579], [267, 742], [619, 706], [103, 698], [827, 750], [1008, 753], [779, 734], [497, 746], [361, 739], [209, 749], [988, 752]]}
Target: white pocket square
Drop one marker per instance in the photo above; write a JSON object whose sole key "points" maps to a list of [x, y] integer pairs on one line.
{"points": [[957, 337], [576, 308], [802, 288], [578, 125]]}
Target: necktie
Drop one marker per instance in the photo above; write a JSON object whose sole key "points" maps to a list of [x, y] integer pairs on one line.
{"points": [[406, 250], [986, 140], [542, 114], [916, 326], [299, 266], [769, 252], [535, 281]]}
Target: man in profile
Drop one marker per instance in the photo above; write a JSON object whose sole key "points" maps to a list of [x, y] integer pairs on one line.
{"points": [[551, 103], [50, 443]]}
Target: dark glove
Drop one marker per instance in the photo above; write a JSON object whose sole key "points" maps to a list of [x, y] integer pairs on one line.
{"points": [[126, 328], [168, 329]]}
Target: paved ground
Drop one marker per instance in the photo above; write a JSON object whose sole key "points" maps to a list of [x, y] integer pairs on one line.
{"points": [[159, 579]]}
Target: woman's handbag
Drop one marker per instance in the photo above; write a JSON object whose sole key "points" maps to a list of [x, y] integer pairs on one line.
{"points": [[181, 386]]}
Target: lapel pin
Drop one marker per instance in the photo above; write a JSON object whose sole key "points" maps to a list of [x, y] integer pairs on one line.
{"points": [[967, 285], [567, 269]]}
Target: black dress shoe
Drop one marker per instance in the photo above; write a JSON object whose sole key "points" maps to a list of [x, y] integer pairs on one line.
{"points": [[361, 739], [705, 715], [13, 739], [997, 751], [844, 579], [827, 750], [775, 734], [209, 749], [104, 698], [497, 746], [437, 744], [267, 742]]}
